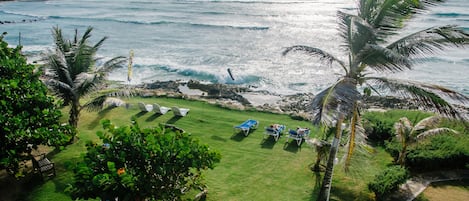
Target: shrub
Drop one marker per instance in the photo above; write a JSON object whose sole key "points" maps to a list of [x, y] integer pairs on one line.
{"points": [[388, 181], [440, 152]]}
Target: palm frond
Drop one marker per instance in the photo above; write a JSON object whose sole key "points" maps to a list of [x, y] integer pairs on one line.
{"points": [[428, 41], [387, 16], [323, 56], [108, 66], [427, 123], [102, 97], [435, 131], [356, 136], [383, 59], [95, 104], [335, 100], [356, 32], [427, 97]]}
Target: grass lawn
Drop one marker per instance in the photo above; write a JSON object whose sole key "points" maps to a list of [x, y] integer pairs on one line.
{"points": [[251, 168], [446, 190]]}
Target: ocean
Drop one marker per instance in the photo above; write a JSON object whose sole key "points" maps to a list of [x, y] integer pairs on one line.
{"points": [[202, 39]]}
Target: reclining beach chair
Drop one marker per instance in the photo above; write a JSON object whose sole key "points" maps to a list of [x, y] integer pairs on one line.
{"points": [[247, 126], [145, 107], [299, 135], [160, 109], [274, 130], [181, 112]]}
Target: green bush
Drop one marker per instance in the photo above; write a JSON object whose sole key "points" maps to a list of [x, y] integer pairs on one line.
{"points": [[388, 181], [379, 125], [439, 152]]}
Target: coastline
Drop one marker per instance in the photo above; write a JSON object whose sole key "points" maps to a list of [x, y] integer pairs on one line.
{"points": [[243, 98]]}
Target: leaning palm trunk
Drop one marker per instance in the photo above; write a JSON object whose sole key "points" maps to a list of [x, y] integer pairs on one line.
{"points": [[327, 180]]}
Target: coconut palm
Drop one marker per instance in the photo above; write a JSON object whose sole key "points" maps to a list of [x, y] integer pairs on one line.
{"points": [[366, 41], [72, 71], [409, 134]]}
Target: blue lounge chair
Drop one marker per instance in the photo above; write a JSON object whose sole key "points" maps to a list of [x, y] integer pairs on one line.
{"points": [[275, 131], [247, 126], [299, 135]]}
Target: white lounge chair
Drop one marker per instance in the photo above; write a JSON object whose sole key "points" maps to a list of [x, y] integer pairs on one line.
{"points": [[160, 109], [274, 131], [299, 135], [145, 107], [180, 111]]}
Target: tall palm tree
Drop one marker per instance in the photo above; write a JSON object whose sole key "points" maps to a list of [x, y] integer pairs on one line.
{"points": [[409, 134], [72, 72], [365, 38]]}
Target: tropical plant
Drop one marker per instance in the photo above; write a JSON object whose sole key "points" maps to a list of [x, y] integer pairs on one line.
{"points": [[409, 134], [132, 163], [28, 115], [72, 72], [388, 181], [366, 40]]}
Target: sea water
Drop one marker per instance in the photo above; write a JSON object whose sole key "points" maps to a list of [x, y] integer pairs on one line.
{"points": [[202, 39]]}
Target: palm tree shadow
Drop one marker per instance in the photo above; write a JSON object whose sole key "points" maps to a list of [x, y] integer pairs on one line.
{"points": [[99, 117], [173, 119], [152, 117], [317, 186]]}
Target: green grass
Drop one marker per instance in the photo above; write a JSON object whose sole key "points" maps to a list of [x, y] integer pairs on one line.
{"points": [[251, 168]]}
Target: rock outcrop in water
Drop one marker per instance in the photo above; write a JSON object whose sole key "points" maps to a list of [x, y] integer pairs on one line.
{"points": [[234, 96]]}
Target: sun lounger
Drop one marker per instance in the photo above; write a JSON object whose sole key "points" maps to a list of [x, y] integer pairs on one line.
{"points": [[181, 112], [299, 135], [145, 107], [247, 126], [160, 109], [274, 130]]}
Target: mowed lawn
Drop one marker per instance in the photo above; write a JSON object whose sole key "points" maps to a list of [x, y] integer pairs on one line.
{"points": [[251, 168]]}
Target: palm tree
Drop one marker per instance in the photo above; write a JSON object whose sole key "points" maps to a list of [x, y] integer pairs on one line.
{"points": [[409, 134], [366, 42], [72, 72]]}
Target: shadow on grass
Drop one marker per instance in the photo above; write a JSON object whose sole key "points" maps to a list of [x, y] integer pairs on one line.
{"points": [[238, 136], [342, 193], [153, 117], [317, 186], [292, 146], [140, 114], [99, 117], [173, 119], [268, 143], [218, 138]]}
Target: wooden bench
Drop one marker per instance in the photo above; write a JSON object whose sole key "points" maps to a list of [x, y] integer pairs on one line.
{"points": [[43, 165]]}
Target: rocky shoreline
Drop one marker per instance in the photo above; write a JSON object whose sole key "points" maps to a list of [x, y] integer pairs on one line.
{"points": [[239, 97]]}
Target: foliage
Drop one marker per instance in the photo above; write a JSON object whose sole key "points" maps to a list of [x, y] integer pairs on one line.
{"points": [[439, 152], [72, 71], [155, 163], [28, 116], [379, 125], [388, 181], [370, 49], [409, 134]]}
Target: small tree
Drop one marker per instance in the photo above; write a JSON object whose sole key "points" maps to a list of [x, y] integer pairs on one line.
{"points": [[409, 134], [73, 73], [133, 163], [28, 116]]}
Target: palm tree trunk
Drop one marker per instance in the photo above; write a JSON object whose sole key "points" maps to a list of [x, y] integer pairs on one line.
{"points": [[74, 113], [327, 180]]}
